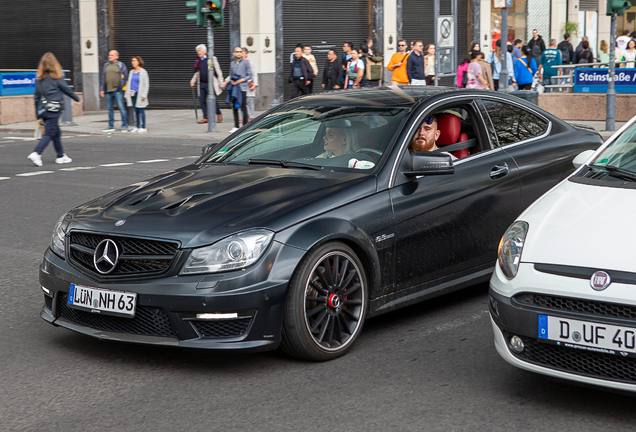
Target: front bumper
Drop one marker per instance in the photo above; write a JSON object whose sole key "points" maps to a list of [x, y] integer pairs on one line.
{"points": [[167, 306], [510, 317]]}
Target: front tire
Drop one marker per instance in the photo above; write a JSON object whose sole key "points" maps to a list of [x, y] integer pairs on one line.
{"points": [[326, 304]]}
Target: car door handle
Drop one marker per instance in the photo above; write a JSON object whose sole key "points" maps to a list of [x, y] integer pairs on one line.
{"points": [[499, 171]]}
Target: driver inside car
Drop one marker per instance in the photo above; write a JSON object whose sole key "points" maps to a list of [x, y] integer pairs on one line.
{"points": [[338, 141], [426, 137]]}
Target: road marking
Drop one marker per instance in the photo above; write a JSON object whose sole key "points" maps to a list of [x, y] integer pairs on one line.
{"points": [[82, 135], [21, 138], [76, 168], [154, 160], [34, 173], [7, 141], [117, 164], [187, 157], [5, 178]]}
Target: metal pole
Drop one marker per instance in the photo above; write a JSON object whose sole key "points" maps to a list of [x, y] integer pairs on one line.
{"points": [[503, 74], [211, 93], [437, 51], [610, 98]]}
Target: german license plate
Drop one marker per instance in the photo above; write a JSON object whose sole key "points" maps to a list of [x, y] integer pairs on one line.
{"points": [[98, 300], [597, 337]]}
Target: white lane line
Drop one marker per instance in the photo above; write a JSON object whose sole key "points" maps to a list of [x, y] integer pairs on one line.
{"points": [[5, 178], [7, 141], [117, 164], [76, 168], [34, 173], [21, 138], [154, 160], [187, 157], [82, 135]]}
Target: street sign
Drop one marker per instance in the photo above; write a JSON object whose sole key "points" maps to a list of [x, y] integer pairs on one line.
{"points": [[503, 3], [445, 31]]}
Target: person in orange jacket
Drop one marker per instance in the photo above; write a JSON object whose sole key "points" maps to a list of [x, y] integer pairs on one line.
{"points": [[398, 65]]}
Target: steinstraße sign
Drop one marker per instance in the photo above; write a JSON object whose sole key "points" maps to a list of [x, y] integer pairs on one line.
{"points": [[17, 83], [594, 80]]}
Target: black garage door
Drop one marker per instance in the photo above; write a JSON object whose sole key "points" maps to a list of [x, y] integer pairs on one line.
{"points": [[418, 23], [323, 24], [161, 35], [29, 28]]}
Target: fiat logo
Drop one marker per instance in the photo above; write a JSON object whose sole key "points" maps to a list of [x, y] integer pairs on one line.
{"points": [[600, 280]]}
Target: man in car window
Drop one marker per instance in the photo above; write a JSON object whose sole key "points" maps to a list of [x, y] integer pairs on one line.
{"points": [[426, 136]]}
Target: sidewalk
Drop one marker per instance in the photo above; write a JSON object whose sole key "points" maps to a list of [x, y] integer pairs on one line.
{"points": [[160, 123], [599, 126]]}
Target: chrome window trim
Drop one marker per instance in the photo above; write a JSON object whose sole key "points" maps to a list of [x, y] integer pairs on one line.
{"points": [[417, 120]]}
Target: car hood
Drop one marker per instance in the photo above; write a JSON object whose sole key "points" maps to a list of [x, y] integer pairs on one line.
{"points": [[582, 225], [200, 204]]}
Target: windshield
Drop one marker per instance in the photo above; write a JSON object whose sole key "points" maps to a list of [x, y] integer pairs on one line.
{"points": [[341, 138], [621, 153]]}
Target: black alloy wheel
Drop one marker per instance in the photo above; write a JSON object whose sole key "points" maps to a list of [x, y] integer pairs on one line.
{"points": [[326, 305]]}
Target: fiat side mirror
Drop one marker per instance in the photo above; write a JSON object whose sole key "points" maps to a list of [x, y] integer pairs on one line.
{"points": [[427, 163], [581, 158]]}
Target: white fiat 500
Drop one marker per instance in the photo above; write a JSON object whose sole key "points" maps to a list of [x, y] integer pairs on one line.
{"points": [[563, 294]]}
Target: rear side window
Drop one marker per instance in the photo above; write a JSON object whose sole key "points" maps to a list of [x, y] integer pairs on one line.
{"points": [[513, 124]]}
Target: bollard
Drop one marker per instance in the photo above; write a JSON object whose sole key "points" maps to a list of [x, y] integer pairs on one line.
{"points": [[67, 114]]}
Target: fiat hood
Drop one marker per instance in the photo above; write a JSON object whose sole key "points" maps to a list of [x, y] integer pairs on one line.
{"points": [[582, 225], [199, 205]]}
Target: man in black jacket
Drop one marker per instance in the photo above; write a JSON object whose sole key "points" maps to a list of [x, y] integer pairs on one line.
{"points": [[332, 72], [301, 74], [536, 45], [567, 51]]}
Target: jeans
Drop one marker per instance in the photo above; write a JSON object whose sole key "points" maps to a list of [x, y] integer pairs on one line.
{"points": [[250, 106], [111, 96], [550, 81], [139, 113], [51, 133], [203, 98], [243, 108]]}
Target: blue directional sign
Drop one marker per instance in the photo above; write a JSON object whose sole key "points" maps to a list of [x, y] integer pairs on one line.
{"points": [[594, 80], [17, 83]]}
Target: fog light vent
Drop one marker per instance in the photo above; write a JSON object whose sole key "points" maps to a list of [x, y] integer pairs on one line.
{"points": [[494, 306], [516, 344]]}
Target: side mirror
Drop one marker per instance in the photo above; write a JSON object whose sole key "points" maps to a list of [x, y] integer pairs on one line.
{"points": [[427, 163], [207, 147], [581, 158]]}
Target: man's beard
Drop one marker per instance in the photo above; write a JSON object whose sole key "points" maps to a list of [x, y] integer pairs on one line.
{"points": [[423, 145]]}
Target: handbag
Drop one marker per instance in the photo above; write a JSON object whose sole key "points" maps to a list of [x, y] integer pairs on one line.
{"points": [[51, 105]]}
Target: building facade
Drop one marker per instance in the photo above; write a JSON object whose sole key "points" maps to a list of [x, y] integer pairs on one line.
{"points": [[81, 32]]}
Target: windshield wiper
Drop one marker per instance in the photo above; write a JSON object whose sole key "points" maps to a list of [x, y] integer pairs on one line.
{"points": [[283, 163], [617, 172]]}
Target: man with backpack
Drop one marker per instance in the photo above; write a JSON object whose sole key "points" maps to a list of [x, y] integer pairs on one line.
{"points": [[372, 68], [567, 55], [536, 45], [397, 65]]}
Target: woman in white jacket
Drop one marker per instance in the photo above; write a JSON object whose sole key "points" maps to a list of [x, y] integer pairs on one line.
{"points": [[137, 92]]}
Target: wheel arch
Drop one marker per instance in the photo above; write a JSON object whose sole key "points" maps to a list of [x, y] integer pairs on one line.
{"points": [[315, 233]]}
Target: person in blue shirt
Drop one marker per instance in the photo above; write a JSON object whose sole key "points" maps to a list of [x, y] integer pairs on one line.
{"points": [[549, 58], [494, 59], [516, 49], [525, 68]]}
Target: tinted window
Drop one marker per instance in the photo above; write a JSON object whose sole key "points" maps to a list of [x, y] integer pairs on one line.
{"points": [[513, 124]]}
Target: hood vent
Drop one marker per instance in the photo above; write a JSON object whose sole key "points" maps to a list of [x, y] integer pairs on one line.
{"points": [[145, 198], [182, 201]]}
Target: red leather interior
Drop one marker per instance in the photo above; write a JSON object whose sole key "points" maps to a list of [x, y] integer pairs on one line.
{"points": [[450, 127]]}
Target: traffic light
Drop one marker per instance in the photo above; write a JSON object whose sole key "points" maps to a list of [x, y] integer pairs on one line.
{"points": [[617, 7], [198, 17], [214, 12]]}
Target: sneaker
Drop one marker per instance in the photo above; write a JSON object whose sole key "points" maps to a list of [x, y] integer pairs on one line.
{"points": [[35, 158], [142, 130], [234, 129], [133, 130], [124, 130], [64, 159], [109, 130]]}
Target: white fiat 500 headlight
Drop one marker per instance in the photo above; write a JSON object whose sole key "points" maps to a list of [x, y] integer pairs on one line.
{"points": [[511, 247], [59, 235], [232, 253]]}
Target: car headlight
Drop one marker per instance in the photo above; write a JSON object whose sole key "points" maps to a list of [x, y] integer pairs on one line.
{"points": [[59, 235], [511, 247], [235, 252]]}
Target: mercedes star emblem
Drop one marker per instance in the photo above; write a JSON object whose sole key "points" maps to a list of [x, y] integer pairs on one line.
{"points": [[120, 222], [106, 256]]}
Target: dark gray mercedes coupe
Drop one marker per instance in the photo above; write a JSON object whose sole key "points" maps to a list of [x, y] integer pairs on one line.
{"points": [[322, 212]]}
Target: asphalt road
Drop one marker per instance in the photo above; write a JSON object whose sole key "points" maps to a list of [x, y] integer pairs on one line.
{"points": [[429, 367]]}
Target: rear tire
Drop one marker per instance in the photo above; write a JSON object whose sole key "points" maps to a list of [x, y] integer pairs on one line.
{"points": [[326, 304]]}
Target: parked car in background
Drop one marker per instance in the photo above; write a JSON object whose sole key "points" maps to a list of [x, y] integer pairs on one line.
{"points": [[563, 295], [307, 221]]}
